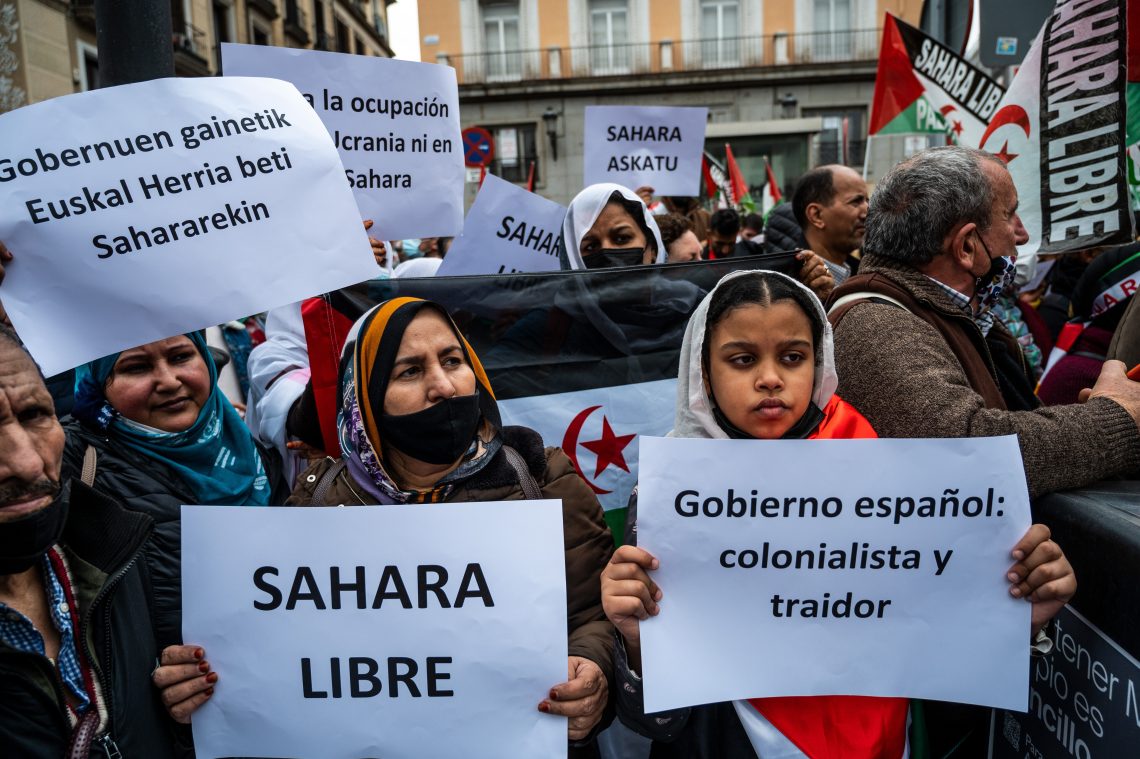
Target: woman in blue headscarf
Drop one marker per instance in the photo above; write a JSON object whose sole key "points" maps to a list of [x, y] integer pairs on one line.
{"points": [[151, 429]]}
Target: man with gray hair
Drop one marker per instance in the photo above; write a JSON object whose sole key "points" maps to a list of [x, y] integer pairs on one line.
{"points": [[918, 351]]}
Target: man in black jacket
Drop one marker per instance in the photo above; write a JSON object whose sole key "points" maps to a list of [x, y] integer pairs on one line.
{"points": [[76, 644]]}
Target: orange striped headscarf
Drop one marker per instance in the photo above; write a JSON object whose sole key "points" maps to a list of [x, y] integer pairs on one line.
{"points": [[377, 346]]}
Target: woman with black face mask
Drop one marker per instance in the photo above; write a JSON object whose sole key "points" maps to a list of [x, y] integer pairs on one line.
{"points": [[608, 225], [418, 423]]}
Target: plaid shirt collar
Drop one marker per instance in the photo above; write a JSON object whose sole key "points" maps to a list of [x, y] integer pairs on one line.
{"points": [[984, 320], [18, 632]]}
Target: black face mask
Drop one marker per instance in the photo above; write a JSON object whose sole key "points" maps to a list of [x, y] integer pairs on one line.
{"points": [[610, 257], [439, 434], [806, 425], [25, 540]]}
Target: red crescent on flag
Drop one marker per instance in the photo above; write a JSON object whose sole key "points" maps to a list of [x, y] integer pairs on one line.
{"points": [[1011, 114], [947, 108], [570, 445]]}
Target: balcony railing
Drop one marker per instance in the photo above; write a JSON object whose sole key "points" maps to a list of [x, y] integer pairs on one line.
{"points": [[665, 56]]}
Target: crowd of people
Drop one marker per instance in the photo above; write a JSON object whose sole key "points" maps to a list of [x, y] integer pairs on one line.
{"points": [[907, 317]]}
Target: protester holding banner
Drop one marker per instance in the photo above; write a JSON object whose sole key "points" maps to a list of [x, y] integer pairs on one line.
{"points": [[152, 430], [76, 637], [419, 423], [917, 347], [1100, 298], [608, 225], [757, 363]]}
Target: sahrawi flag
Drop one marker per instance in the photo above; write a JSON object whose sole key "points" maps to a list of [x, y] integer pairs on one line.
{"points": [[922, 86], [771, 196], [588, 358], [1061, 130]]}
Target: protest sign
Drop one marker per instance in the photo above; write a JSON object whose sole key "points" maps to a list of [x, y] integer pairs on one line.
{"points": [[1084, 699], [881, 573], [131, 223], [634, 146], [394, 631], [1060, 129], [395, 123], [507, 230]]}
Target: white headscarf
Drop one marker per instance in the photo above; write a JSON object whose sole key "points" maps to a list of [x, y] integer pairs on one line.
{"points": [[694, 414], [585, 209]]}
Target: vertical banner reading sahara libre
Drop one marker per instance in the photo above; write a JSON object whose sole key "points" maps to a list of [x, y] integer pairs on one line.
{"points": [[1061, 130], [507, 230], [395, 123], [635, 146], [227, 200], [881, 574], [398, 631]]}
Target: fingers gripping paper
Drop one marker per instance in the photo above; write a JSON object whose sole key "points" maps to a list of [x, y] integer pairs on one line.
{"points": [[139, 212]]}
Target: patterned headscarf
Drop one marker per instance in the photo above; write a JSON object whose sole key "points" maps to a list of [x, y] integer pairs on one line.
{"points": [[366, 365], [215, 456]]}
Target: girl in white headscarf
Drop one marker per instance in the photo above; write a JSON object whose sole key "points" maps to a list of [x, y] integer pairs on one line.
{"points": [[608, 225], [757, 363]]}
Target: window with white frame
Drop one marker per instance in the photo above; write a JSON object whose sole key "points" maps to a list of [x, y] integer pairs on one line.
{"points": [[831, 29], [720, 30], [501, 40], [609, 36], [88, 67]]}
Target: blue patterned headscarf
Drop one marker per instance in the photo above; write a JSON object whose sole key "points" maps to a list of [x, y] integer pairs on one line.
{"points": [[216, 456]]}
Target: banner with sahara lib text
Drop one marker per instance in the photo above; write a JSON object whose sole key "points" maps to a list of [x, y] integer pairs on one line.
{"points": [[1061, 130]]}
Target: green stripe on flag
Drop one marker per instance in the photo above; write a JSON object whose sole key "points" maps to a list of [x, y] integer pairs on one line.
{"points": [[918, 118], [615, 518]]}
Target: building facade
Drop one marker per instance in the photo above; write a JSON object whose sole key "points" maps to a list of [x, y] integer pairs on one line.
{"points": [[790, 81], [47, 47]]}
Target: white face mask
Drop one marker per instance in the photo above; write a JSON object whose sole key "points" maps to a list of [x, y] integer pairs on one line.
{"points": [[1026, 266]]}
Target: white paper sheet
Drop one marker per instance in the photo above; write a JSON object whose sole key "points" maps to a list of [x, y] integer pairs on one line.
{"points": [[507, 230], [395, 123], [501, 660], [656, 146], [958, 636], [143, 211]]}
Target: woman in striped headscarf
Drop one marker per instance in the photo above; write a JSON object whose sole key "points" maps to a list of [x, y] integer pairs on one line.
{"points": [[418, 423]]}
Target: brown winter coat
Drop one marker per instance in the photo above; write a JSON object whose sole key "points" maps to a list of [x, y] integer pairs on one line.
{"points": [[927, 372], [587, 538]]}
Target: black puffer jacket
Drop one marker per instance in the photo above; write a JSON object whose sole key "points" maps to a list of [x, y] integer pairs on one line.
{"points": [[140, 483], [103, 544], [782, 232]]}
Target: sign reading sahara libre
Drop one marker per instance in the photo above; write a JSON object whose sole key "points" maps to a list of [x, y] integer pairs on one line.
{"points": [[394, 631], [1084, 699], [395, 123], [507, 230], [655, 146], [131, 223], [870, 576]]}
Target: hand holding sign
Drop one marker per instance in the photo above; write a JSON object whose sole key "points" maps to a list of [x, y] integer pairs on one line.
{"points": [[1042, 575], [185, 681]]}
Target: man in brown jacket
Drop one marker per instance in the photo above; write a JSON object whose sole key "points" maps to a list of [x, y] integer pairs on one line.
{"points": [[919, 354]]}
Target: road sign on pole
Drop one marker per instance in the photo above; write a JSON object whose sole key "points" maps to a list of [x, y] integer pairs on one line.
{"points": [[478, 147]]}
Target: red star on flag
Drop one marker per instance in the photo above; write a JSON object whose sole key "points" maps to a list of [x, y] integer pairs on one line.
{"points": [[609, 448], [957, 128], [1004, 155]]}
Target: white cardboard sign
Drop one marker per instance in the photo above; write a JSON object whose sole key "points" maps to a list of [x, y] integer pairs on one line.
{"points": [[876, 590], [395, 123], [131, 222], [507, 230], [442, 639], [656, 146]]}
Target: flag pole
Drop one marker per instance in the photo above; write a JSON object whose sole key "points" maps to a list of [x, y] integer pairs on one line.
{"points": [[867, 156]]}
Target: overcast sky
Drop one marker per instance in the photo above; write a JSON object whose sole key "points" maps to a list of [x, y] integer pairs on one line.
{"points": [[404, 23]]}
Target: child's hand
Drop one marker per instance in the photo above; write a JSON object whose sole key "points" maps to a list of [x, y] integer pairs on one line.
{"points": [[628, 595], [1041, 575]]}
